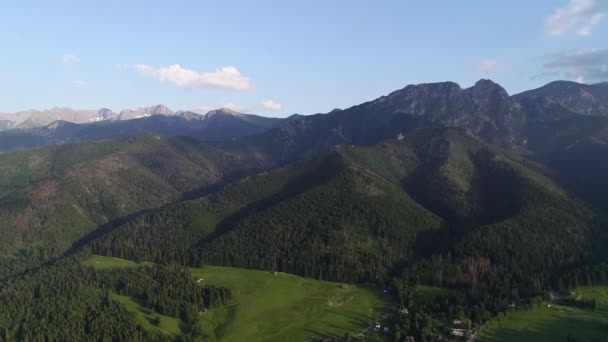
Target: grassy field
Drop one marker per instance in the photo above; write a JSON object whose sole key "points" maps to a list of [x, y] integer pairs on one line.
{"points": [[100, 262], [554, 323], [268, 306], [600, 293], [283, 307]]}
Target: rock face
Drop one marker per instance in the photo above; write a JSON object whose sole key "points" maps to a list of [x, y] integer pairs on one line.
{"points": [[584, 99], [128, 114], [484, 109], [106, 114], [158, 110]]}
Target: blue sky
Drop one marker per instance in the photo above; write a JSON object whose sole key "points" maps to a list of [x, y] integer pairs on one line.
{"points": [[282, 57]]}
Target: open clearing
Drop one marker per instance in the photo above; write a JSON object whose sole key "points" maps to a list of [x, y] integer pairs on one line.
{"points": [[555, 323], [268, 306], [284, 307], [100, 262], [599, 293]]}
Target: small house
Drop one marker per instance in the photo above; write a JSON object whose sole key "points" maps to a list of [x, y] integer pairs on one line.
{"points": [[459, 332]]}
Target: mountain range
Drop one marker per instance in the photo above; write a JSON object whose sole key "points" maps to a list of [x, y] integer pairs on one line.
{"points": [[485, 110], [500, 197], [37, 118], [220, 124]]}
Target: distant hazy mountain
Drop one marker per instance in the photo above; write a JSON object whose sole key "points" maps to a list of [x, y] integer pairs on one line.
{"points": [[36, 118], [586, 99], [217, 125], [128, 114]]}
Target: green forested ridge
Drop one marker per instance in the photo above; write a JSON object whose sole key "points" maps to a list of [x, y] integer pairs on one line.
{"points": [[357, 213], [52, 197], [323, 207]]}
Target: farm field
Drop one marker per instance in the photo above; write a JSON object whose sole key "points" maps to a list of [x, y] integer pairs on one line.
{"points": [[554, 323]]}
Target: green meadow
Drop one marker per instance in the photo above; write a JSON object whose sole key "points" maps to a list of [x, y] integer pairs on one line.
{"points": [[282, 307], [100, 262], [554, 323], [268, 306], [599, 293]]}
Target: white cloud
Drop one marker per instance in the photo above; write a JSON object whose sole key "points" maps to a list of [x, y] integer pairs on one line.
{"points": [[491, 66], [222, 78], [269, 104], [578, 14], [69, 59]]}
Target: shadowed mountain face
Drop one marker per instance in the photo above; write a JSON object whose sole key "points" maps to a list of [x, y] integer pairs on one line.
{"points": [[484, 110]]}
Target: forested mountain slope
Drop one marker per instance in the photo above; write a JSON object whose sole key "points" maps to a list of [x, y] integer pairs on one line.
{"points": [[360, 213], [52, 197]]}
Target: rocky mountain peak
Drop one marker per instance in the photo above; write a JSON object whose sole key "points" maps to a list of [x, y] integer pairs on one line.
{"points": [[158, 110], [223, 111], [105, 114], [485, 88]]}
